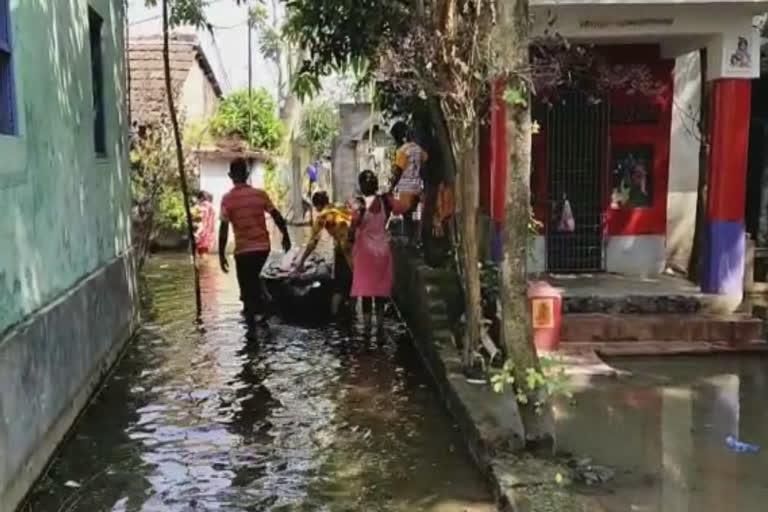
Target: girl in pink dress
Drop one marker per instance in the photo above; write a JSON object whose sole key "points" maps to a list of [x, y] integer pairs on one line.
{"points": [[372, 271], [206, 228]]}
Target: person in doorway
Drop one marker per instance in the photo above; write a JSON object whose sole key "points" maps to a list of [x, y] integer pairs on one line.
{"points": [[336, 222], [372, 267], [407, 183], [245, 208], [206, 229]]}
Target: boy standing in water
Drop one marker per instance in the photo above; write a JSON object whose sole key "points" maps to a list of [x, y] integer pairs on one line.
{"points": [[245, 208]]}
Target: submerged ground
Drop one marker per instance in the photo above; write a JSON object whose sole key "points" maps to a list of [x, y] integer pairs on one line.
{"points": [[303, 419], [663, 429], [325, 418]]}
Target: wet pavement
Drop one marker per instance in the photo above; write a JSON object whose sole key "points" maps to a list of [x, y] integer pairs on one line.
{"points": [[663, 430], [196, 418]]}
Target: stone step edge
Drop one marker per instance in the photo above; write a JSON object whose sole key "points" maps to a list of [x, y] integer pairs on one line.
{"points": [[652, 348], [700, 316]]}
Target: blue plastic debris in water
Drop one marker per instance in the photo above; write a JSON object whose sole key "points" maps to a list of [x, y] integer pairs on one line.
{"points": [[740, 446]]}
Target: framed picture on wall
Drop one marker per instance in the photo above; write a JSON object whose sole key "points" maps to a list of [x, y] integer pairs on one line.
{"points": [[632, 177]]}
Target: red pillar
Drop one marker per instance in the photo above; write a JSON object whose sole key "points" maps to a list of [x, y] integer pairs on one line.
{"points": [[498, 151], [726, 188], [498, 163], [484, 160]]}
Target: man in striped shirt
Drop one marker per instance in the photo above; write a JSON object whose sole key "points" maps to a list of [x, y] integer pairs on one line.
{"points": [[245, 207]]}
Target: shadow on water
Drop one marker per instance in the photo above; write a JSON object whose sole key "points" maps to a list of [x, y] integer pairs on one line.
{"points": [[300, 419], [664, 428]]}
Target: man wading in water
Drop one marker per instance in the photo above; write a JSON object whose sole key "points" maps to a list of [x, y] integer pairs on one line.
{"points": [[245, 208]]}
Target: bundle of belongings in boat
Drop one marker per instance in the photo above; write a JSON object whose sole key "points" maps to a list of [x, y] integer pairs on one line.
{"points": [[304, 293]]}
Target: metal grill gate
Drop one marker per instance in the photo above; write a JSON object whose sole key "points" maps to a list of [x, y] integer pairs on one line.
{"points": [[577, 132]]}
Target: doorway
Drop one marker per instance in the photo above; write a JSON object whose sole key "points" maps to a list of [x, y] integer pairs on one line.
{"points": [[577, 131]]}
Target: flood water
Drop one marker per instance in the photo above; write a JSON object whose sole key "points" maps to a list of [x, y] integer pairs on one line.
{"points": [[302, 419], [663, 431]]}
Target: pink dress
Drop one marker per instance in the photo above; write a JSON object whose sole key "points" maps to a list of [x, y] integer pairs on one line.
{"points": [[372, 272], [207, 228]]}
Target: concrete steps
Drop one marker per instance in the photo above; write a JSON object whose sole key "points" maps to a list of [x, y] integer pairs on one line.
{"points": [[661, 328]]}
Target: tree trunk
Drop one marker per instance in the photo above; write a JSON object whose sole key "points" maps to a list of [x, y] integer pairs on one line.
{"points": [[467, 193], [290, 115], [516, 333], [180, 157], [694, 265], [297, 193], [442, 138]]}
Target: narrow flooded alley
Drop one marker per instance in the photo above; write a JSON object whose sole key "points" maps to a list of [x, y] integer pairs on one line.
{"points": [[302, 419]]}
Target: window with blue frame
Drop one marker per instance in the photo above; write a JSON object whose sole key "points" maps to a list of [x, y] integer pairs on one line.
{"points": [[7, 96]]}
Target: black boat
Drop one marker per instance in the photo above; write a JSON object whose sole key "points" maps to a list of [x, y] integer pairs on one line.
{"points": [[305, 296]]}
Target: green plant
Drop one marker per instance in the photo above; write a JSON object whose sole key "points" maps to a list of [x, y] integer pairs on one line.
{"points": [[540, 386], [155, 188], [319, 126], [277, 191], [198, 134], [249, 117], [170, 210]]}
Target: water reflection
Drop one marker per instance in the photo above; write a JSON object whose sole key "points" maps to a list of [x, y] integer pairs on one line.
{"points": [[197, 418], [664, 430]]}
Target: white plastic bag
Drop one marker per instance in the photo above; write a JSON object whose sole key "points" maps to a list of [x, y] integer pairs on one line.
{"points": [[567, 223]]}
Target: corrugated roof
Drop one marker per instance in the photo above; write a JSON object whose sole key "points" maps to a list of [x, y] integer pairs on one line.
{"points": [[145, 57]]}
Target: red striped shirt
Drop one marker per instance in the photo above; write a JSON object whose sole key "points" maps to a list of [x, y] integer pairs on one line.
{"points": [[244, 207]]}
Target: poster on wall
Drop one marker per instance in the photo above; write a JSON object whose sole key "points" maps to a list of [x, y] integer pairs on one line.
{"points": [[741, 54], [632, 177], [741, 58]]}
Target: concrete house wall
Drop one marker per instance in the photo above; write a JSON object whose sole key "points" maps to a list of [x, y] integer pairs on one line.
{"points": [[677, 29], [67, 293], [198, 97], [214, 179]]}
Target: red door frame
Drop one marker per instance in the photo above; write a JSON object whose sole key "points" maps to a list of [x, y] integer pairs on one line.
{"points": [[651, 220], [637, 221]]}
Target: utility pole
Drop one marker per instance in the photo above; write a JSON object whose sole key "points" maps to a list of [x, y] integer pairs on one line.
{"points": [[250, 51], [180, 155], [250, 81]]}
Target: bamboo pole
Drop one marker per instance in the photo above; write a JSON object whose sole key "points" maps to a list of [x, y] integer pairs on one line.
{"points": [[180, 158]]}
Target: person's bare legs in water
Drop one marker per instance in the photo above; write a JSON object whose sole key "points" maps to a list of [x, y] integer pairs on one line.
{"points": [[368, 306]]}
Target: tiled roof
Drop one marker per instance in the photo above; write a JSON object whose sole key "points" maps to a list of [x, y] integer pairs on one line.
{"points": [[145, 57]]}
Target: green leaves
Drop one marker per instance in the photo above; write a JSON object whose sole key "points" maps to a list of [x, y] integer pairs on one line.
{"points": [[540, 386], [319, 126], [516, 97], [251, 118], [186, 12], [341, 35]]}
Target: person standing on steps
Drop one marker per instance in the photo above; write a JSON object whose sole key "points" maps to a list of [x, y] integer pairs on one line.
{"points": [[407, 180], [372, 265], [245, 207]]}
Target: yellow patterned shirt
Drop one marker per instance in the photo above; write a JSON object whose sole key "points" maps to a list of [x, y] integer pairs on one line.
{"points": [[410, 157], [336, 221]]}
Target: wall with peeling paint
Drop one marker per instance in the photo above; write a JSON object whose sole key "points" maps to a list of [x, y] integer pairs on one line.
{"points": [[65, 210], [67, 287]]}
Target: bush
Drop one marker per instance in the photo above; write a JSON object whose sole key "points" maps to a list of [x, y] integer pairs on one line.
{"points": [[170, 211], [319, 126], [251, 118]]}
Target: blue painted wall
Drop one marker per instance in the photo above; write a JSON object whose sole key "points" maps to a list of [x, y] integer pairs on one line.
{"points": [[64, 211]]}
